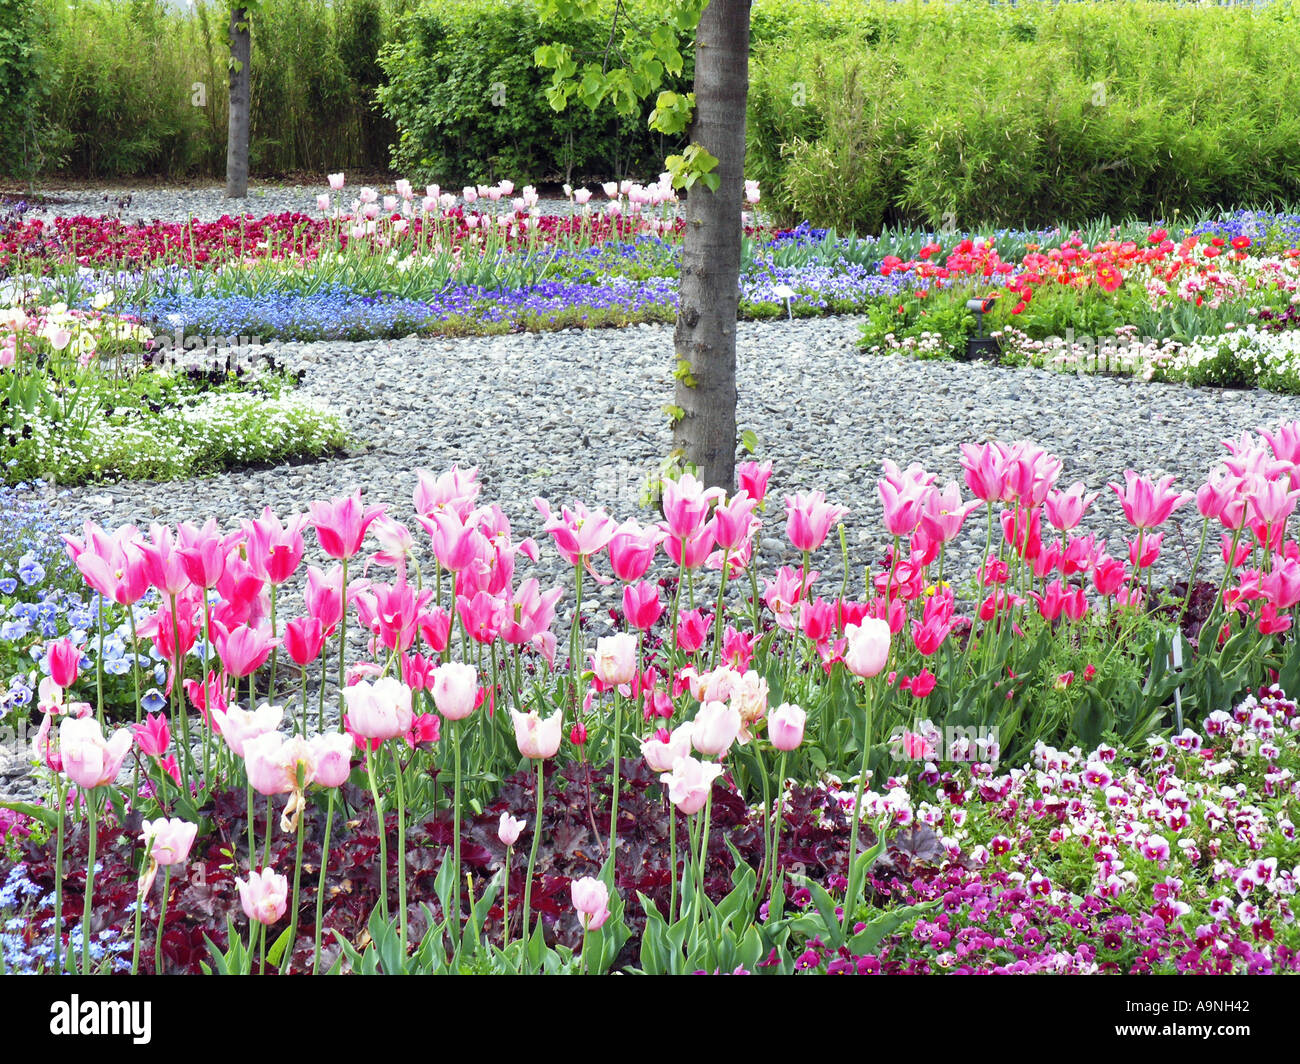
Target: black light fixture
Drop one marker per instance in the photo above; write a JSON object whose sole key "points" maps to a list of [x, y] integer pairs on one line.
{"points": [[981, 346]]}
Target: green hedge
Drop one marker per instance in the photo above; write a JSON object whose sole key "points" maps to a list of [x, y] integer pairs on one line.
{"points": [[967, 114], [21, 85]]}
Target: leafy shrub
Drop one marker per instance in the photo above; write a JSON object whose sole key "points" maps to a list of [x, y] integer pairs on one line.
{"points": [[469, 102], [1039, 111]]}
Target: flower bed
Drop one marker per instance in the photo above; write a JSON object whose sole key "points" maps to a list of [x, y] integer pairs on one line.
{"points": [[760, 716]]}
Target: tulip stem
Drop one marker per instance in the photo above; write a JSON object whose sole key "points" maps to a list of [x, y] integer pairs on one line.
{"points": [[343, 643], [704, 858], [505, 906], [297, 879], [613, 817], [88, 900], [135, 675], [719, 619], [383, 842], [178, 701], [767, 818], [252, 842], [270, 683], [135, 949], [162, 920], [58, 877], [776, 835], [532, 856], [850, 899], [320, 881], [99, 662], [672, 851]]}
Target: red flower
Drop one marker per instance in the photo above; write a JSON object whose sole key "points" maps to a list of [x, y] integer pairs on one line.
{"points": [[1240, 242]]}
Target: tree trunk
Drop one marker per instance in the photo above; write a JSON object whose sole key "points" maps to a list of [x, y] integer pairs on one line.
{"points": [[240, 104], [710, 284]]}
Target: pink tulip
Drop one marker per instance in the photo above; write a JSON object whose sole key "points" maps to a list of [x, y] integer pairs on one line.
{"points": [[508, 829], [112, 565], [88, 759], [153, 736], [244, 650], [380, 709], [537, 737], [809, 519], [591, 900], [693, 551], [324, 596], [455, 689], [903, 504], [264, 896], [641, 605], [752, 477], [689, 783], [1270, 502], [528, 614], [481, 616], [332, 752], [785, 726], [1108, 575], [304, 639], [686, 505], [236, 726], [614, 660], [435, 627], [731, 521], [453, 490], [632, 549], [692, 630], [456, 544], [1217, 494], [664, 751], [983, 466], [578, 533], [716, 727], [1147, 504], [336, 181], [1061, 598], [274, 550], [168, 841], [63, 658], [163, 564], [868, 647], [262, 762], [203, 552], [341, 524], [1065, 509], [943, 513]]}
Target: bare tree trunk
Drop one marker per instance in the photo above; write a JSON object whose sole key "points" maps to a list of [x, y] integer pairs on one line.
{"points": [[240, 104], [710, 286]]}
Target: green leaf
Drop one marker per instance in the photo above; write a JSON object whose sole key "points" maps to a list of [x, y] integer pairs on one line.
{"points": [[870, 936], [749, 440], [276, 952], [39, 813]]}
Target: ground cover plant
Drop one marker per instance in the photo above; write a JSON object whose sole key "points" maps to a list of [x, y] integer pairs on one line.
{"points": [[752, 772]]}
